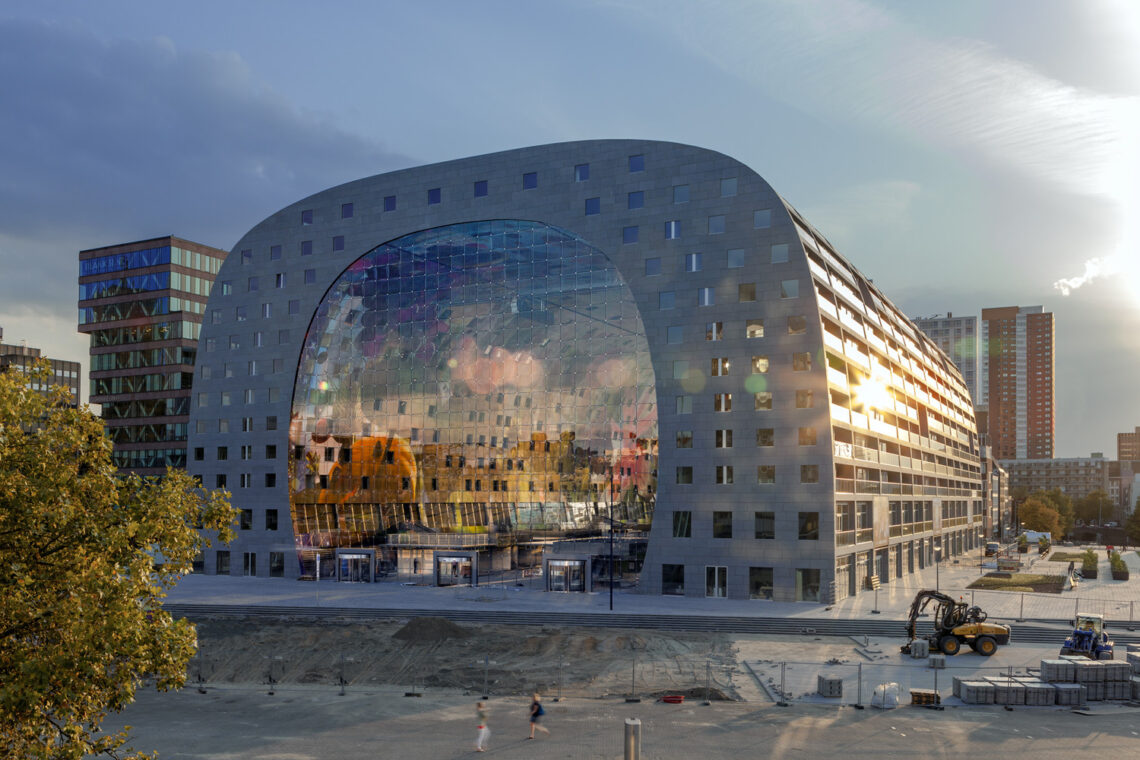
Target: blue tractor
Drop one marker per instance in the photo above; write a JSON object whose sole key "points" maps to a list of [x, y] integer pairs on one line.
{"points": [[1088, 638]]}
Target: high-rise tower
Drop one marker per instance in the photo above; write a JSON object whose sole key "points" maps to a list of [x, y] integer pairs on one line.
{"points": [[1018, 392]]}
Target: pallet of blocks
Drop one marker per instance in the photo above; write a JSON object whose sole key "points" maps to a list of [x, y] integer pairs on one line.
{"points": [[1058, 671], [1067, 694], [1135, 687], [925, 697], [1038, 693], [976, 692], [1007, 691]]}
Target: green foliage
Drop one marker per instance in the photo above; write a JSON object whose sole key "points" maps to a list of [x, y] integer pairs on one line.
{"points": [[1097, 507], [1023, 540], [1063, 505], [1038, 514], [1132, 524], [81, 617], [1089, 561], [1116, 562]]}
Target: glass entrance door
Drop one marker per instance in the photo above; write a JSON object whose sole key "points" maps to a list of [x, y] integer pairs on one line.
{"points": [[566, 575], [354, 568], [454, 571]]}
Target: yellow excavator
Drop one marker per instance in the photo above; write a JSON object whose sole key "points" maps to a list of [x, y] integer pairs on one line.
{"points": [[955, 624]]}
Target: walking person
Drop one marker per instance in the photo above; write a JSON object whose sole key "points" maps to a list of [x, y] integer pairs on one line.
{"points": [[481, 713], [536, 712]]}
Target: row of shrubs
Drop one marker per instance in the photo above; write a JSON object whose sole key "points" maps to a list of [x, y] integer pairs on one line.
{"points": [[1115, 562]]}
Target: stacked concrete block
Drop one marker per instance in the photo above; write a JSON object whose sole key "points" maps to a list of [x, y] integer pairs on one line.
{"points": [[1133, 659], [937, 661], [829, 686], [1058, 671], [1067, 693], [1038, 693], [1135, 687], [919, 648], [1116, 671], [1007, 691], [1094, 691], [1088, 671], [976, 692]]}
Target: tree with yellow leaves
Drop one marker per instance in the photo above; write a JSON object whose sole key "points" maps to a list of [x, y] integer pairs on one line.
{"points": [[86, 558]]}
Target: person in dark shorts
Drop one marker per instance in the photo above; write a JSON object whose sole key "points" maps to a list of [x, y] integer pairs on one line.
{"points": [[536, 712]]}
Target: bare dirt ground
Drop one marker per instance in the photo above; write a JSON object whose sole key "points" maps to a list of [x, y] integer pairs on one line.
{"points": [[434, 653]]}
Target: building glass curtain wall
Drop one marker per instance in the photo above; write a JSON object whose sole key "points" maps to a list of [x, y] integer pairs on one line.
{"points": [[476, 378]]}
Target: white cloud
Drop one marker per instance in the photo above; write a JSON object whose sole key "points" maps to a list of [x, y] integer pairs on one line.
{"points": [[1094, 269]]}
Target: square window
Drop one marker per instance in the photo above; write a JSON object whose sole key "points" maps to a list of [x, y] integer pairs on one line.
{"points": [[270, 451], [581, 172], [680, 193], [629, 234], [807, 585], [389, 203], [307, 216], [274, 252], [706, 297], [718, 366], [310, 276], [761, 218], [346, 211], [766, 474], [765, 437], [797, 325], [227, 287], [271, 422], [270, 516], [693, 262], [675, 334], [809, 473], [652, 267], [680, 367], [306, 247], [672, 580], [338, 243], [223, 426], [762, 401], [241, 313], [593, 206], [682, 524], [722, 402], [684, 476], [684, 439], [530, 180], [295, 306], [684, 405], [636, 199], [789, 289], [735, 258], [765, 525], [728, 187], [804, 399], [759, 364], [760, 583], [215, 316], [480, 188], [722, 524], [235, 344], [746, 292], [637, 163], [220, 481], [222, 559], [801, 361], [809, 526], [723, 439], [673, 229], [223, 453], [754, 328], [716, 224], [666, 300], [434, 196], [199, 454], [246, 256], [780, 253]]}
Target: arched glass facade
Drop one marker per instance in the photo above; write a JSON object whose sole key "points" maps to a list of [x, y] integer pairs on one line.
{"points": [[481, 377]]}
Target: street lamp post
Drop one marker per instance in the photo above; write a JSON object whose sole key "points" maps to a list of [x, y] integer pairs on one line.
{"points": [[937, 562], [981, 553]]}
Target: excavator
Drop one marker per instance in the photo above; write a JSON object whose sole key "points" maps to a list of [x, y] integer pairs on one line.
{"points": [[955, 624]]}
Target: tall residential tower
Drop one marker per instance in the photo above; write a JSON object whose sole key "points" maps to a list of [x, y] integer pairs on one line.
{"points": [[1017, 391]]}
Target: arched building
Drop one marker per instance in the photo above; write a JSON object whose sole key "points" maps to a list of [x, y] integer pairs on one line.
{"points": [[469, 357]]}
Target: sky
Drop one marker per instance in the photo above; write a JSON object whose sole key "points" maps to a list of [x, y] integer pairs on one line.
{"points": [[962, 155]]}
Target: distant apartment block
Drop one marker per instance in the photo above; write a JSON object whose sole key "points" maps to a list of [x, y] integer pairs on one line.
{"points": [[1076, 476], [142, 305], [1128, 446], [1017, 390], [958, 338], [20, 358]]}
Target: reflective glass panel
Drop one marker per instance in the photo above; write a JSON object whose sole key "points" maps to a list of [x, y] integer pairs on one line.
{"points": [[484, 377]]}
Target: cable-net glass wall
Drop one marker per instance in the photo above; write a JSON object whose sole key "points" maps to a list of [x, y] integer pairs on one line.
{"points": [[482, 377]]}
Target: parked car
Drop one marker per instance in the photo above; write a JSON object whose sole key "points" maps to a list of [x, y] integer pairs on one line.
{"points": [[992, 548]]}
